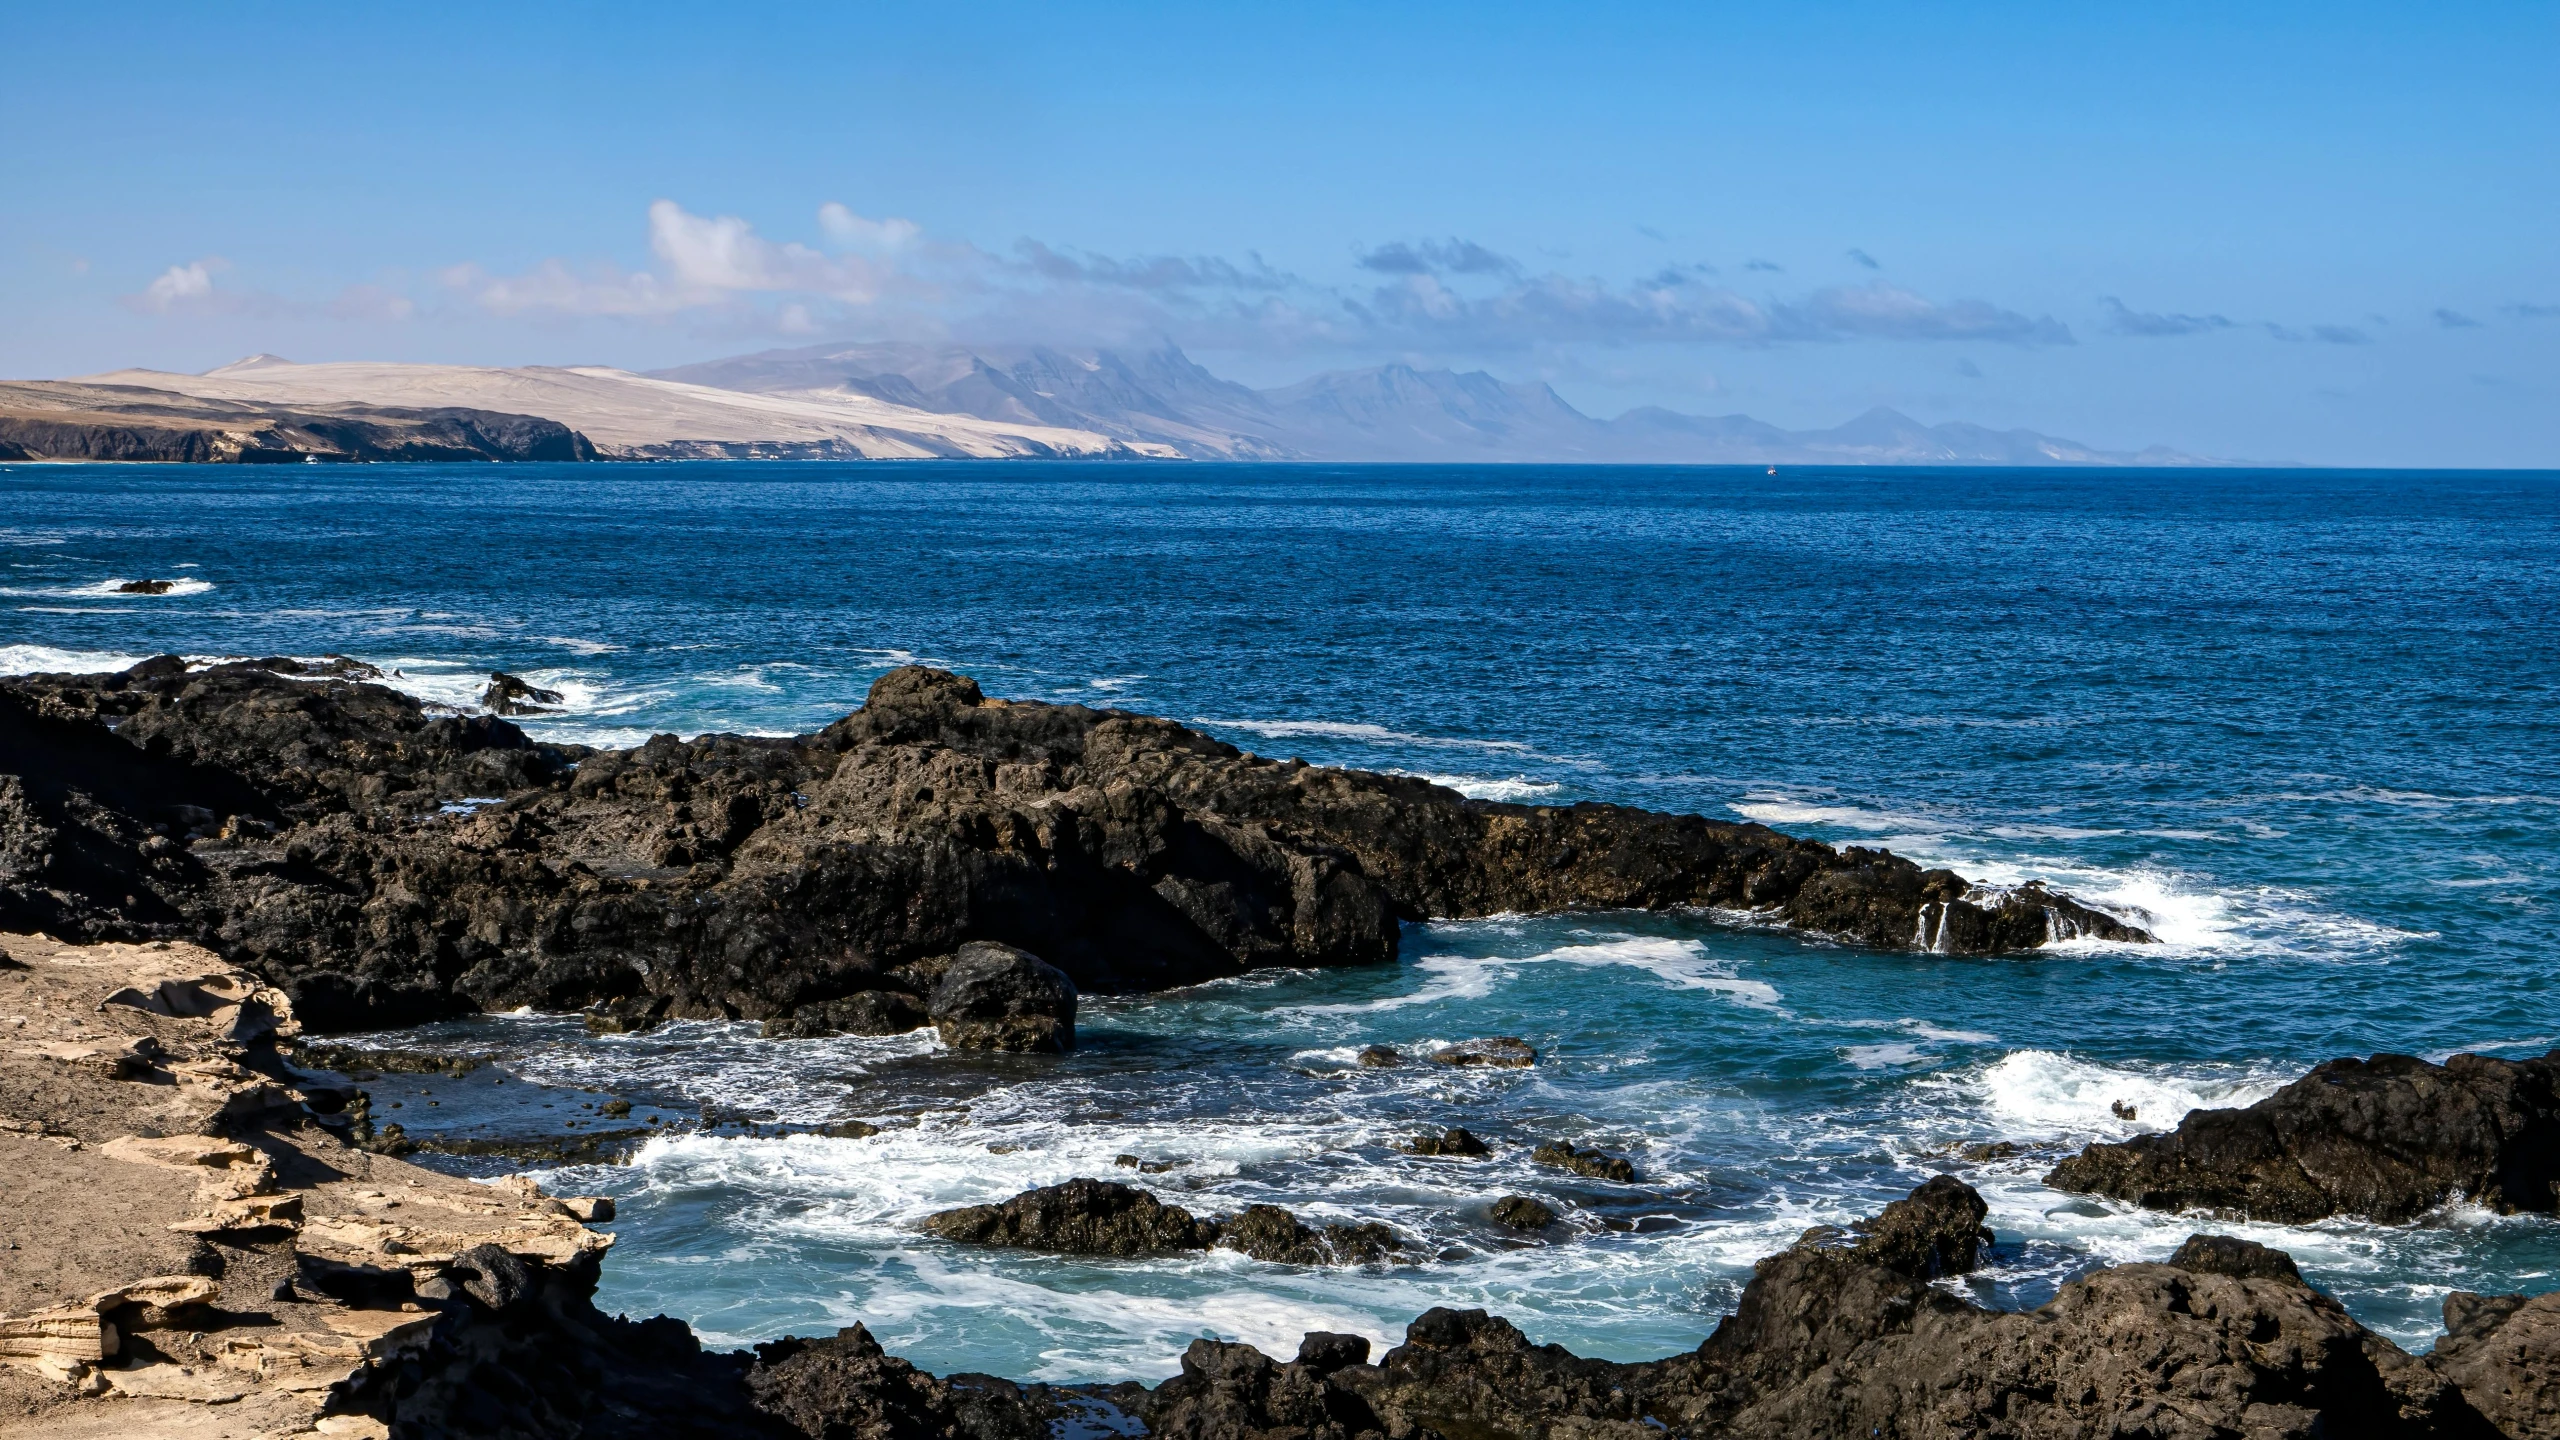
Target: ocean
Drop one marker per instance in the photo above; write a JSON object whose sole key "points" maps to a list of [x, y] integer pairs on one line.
{"points": [[2302, 721]]}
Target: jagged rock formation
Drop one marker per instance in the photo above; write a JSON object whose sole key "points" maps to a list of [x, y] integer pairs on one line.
{"points": [[1102, 1217], [314, 828], [66, 420], [2386, 1138]]}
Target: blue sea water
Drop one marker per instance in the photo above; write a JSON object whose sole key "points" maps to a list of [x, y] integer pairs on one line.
{"points": [[2301, 720]]}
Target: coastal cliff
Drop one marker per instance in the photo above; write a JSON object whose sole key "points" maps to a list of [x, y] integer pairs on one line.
{"points": [[67, 420], [382, 865]]}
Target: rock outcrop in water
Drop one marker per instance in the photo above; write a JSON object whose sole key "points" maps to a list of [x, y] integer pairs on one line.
{"points": [[329, 834], [1102, 1217], [2386, 1138]]}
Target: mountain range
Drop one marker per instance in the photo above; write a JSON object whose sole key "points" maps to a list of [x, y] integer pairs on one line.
{"points": [[1386, 413], [896, 401]]}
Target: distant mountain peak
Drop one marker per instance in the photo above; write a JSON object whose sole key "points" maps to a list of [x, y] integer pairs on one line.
{"points": [[246, 363]]}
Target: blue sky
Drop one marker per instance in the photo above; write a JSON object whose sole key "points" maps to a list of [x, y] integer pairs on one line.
{"points": [[2321, 233]]}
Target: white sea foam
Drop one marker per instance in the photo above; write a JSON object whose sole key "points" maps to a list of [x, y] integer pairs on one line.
{"points": [[46, 660], [1927, 1031], [1779, 810], [2039, 1094], [1878, 1057], [1680, 964], [577, 646], [1512, 789], [179, 587], [1354, 730]]}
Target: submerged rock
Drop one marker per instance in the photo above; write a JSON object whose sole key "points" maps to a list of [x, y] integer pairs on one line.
{"points": [[1380, 1057], [1591, 1164], [1505, 1051], [146, 587], [869, 1012], [2386, 1138], [630, 1015], [995, 997], [743, 877]]}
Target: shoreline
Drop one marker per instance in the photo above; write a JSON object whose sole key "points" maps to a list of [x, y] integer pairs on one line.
{"points": [[267, 1278]]}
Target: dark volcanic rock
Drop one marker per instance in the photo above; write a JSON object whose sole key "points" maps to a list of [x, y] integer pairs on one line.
{"points": [[1102, 1217], [146, 587], [1451, 1144], [1935, 1230], [1081, 1217], [310, 826], [1591, 1164], [1503, 1051], [2503, 1351], [2231, 1255], [995, 997], [1267, 1232], [1847, 1341], [847, 1388], [1522, 1213], [1325, 1351], [514, 695], [1380, 1057], [2386, 1138]]}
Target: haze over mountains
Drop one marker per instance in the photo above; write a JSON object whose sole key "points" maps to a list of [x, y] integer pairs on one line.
{"points": [[904, 401], [1386, 413]]}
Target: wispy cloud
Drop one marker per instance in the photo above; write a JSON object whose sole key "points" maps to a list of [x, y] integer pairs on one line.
{"points": [[1770, 265], [1863, 258], [2525, 310], [2455, 320], [2124, 320], [2322, 334], [889, 277], [1437, 257]]}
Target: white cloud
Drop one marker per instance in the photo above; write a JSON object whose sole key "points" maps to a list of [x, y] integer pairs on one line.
{"points": [[853, 232], [180, 287]]}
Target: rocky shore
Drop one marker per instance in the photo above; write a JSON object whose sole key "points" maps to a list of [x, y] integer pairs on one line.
{"points": [[380, 864], [195, 1250]]}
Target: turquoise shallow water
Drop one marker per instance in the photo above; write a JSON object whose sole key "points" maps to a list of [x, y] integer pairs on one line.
{"points": [[2302, 720]]}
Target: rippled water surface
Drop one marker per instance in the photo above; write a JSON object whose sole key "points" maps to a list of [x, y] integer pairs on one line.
{"points": [[2302, 720]]}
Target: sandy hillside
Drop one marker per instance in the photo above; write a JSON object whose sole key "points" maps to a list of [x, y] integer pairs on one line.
{"points": [[634, 417]]}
